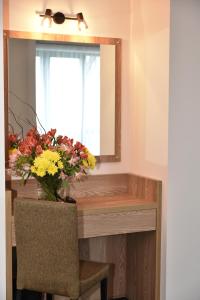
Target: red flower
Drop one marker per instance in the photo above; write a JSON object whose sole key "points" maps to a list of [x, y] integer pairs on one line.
{"points": [[33, 133], [59, 139], [64, 140], [31, 141], [83, 155], [38, 150], [25, 149], [27, 145], [46, 140], [79, 147], [52, 148], [51, 132], [12, 138]]}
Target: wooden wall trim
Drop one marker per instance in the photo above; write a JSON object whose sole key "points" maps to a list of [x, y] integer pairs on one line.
{"points": [[62, 37], [8, 246]]}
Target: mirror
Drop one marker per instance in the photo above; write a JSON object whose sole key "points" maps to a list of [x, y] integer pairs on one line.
{"points": [[71, 83]]}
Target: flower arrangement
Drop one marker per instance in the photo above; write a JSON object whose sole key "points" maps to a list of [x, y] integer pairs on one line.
{"points": [[54, 161]]}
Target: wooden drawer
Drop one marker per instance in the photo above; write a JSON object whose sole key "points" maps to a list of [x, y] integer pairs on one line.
{"points": [[116, 223], [112, 223]]}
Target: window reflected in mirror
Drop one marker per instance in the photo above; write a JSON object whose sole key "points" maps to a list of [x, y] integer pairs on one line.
{"points": [[70, 77]]}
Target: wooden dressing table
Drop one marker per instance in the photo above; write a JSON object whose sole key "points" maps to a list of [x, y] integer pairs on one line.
{"points": [[119, 222]]}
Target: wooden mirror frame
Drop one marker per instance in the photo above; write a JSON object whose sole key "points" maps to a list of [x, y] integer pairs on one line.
{"points": [[76, 39]]}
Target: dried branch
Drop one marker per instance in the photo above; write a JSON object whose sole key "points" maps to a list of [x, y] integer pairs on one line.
{"points": [[12, 128], [28, 122], [30, 106], [22, 130]]}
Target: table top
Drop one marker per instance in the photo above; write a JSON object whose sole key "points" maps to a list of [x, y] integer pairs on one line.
{"points": [[108, 204]]}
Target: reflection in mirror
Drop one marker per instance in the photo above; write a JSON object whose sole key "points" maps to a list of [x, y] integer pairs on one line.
{"points": [[67, 86], [69, 76]]}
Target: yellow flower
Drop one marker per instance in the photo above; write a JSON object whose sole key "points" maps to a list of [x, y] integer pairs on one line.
{"points": [[60, 165], [41, 162], [51, 155], [12, 151], [90, 162], [41, 172], [33, 169], [46, 163], [52, 169], [85, 163]]}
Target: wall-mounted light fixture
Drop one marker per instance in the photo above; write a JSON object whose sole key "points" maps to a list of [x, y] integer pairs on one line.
{"points": [[59, 18]]}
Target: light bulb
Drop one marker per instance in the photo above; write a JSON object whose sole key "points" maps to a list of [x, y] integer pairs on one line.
{"points": [[46, 22], [82, 25]]}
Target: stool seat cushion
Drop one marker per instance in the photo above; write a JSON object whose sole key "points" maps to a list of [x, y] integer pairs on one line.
{"points": [[91, 273]]}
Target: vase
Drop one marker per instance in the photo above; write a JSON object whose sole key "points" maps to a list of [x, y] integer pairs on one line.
{"points": [[64, 194], [40, 192], [61, 194], [45, 192]]}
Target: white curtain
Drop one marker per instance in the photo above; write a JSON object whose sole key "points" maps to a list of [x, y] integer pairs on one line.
{"points": [[68, 91]]}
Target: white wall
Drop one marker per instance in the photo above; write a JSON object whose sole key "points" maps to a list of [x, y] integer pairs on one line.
{"points": [[183, 216], [150, 86], [2, 172], [105, 18], [148, 106]]}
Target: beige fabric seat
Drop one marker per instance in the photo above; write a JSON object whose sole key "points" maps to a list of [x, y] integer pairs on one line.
{"points": [[48, 254]]}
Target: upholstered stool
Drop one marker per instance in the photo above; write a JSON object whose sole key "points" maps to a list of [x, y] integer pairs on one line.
{"points": [[48, 254]]}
